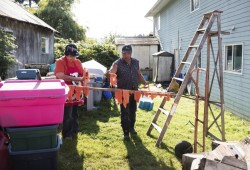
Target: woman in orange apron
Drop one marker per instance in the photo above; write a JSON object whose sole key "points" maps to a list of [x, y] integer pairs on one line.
{"points": [[71, 71]]}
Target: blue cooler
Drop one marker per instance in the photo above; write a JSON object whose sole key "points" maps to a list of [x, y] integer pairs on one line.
{"points": [[146, 103], [27, 74]]}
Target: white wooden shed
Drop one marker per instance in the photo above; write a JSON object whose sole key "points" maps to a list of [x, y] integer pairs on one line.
{"points": [[163, 66], [143, 49]]}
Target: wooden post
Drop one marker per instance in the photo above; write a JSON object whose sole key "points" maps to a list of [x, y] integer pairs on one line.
{"points": [[221, 85]]}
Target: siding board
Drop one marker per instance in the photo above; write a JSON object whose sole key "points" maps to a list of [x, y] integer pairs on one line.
{"points": [[178, 22]]}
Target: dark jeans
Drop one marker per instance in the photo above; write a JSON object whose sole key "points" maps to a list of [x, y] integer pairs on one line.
{"points": [[128, 115], [70, 121], [75, 119]]}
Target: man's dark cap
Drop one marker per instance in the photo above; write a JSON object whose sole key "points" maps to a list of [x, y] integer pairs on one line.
{"points": [[127, 49], [71, 49]]}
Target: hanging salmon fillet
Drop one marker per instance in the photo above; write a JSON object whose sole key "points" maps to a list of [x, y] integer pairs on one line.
{"points": [[168, 97], [153, 95], [78, 92], [86, 91], [71, 92], [118, 96], [112, 79], [137, 96], [125, 95], [87, 77], [145, 94]]}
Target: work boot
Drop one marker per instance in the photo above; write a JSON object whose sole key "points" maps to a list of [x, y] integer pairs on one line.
{"points": [[133, 132], [125, 134]]}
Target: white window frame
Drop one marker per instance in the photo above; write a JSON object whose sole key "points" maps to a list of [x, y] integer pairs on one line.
{"points": [[192, 7], [45, 46], [226, 65]]}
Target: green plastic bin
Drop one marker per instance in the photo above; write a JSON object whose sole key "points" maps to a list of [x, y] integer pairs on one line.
{"points": [[44, 159], [33, 138]]}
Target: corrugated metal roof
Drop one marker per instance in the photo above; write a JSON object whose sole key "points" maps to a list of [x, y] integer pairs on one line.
{"points": [[158, 6], [136, 40], [12, 10]]}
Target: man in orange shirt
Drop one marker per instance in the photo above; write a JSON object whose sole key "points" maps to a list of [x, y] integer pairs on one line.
{"points": [[71, 71]]}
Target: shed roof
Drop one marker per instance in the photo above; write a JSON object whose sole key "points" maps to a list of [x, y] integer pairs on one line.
{"points": [[12, 10], [163, 54], [136, 40], [158, 6]]}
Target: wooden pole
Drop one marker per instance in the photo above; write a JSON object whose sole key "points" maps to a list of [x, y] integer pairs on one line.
{"points": [[171, 94], [221, 77]]}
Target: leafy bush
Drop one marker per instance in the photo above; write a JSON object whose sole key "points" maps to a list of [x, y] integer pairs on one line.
{"points": [[59, 46], [104, 53], [7, 47]]}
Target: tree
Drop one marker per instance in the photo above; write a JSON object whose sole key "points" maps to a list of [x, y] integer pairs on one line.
{"points": [[104, 53], [57, 13], [7, 48], [30, 2], [110, 38]]}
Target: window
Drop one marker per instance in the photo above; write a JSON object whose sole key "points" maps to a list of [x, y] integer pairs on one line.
{"points": [[45, 45], [195, 4], [234, 58]]}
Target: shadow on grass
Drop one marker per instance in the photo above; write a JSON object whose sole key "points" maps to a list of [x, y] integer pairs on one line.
{"points": [[169, 149], [68, 156], [139, 157], [88, 119]]}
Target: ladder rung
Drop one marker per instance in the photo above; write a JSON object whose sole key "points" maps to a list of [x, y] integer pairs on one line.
{"points": [[200, 144], [164, 111], [158, 128], [200, 121], [184, 62], [176, 78], [193, 46], [201, 30], [215, 33], [208, 14]]}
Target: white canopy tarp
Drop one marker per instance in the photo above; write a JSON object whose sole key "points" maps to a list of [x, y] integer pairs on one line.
{"points": [[95, 68]]}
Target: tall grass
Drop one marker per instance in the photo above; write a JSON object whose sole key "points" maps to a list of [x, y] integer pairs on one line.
{"points": [[100, 144]]}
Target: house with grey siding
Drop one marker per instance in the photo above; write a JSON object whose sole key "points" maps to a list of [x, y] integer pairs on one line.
{"points": [[34, 37], [175, 23]]}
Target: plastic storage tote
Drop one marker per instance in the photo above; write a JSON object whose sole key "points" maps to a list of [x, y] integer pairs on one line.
{"points": [[32, 102], [45, 159], [33, 138]]}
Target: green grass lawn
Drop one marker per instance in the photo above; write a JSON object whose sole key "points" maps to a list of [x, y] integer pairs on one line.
{"points": [[100, 145]]}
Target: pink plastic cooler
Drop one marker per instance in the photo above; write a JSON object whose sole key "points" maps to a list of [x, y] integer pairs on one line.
{"points": [[32, 102]]}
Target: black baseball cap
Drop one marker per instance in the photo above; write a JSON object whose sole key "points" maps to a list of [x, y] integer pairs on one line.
{"points": [[71, 49], [127, 49]]}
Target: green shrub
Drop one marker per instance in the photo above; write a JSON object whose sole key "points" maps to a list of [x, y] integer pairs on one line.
{"points": [[7, 47]]}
